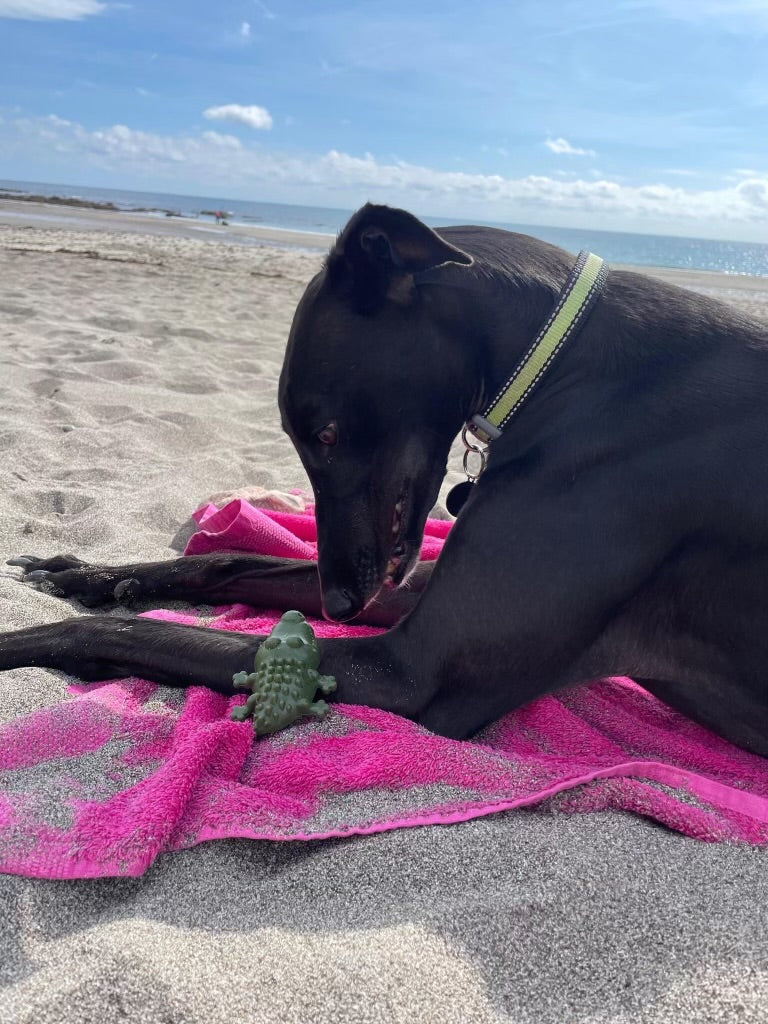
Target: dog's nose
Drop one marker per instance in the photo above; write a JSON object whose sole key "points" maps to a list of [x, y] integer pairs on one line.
{"points": [[339, 605]]}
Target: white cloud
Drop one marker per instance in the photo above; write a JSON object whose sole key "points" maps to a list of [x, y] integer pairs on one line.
{"points": [[254, 117], [245, 30], [563, 148], [217, 139], [62, 10], [223, 161]]}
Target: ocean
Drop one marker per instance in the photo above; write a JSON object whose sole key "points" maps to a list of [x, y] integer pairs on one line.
{"points": [[616, 247]]}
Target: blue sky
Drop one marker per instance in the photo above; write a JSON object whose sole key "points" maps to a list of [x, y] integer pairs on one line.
{"points": [[641, 115]]}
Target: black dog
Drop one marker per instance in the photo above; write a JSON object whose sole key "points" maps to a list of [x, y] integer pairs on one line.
{"points": [[620, 528]]}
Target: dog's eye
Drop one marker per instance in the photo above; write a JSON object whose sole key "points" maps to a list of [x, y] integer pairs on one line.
{"points": [[328, 435]]}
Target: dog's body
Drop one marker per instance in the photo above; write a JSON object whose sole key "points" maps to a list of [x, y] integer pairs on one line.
{"points": [[621, 527]]}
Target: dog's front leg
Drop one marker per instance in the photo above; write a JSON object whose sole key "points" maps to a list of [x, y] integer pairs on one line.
{"points": [[216, 578], [368, 670], [527, 582], [219, 578], [106, 647]]}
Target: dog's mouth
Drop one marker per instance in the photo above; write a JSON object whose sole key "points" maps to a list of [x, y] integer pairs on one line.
{"points": [[401, 550]]}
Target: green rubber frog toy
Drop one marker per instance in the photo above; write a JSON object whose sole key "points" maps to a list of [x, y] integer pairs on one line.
{"points": [[285, 679]]}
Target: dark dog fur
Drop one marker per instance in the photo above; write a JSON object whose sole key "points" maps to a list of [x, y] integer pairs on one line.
{"points": [[619, 529]]}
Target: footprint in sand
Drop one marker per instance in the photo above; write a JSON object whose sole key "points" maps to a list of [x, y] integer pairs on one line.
{"points": [[62, 503]]}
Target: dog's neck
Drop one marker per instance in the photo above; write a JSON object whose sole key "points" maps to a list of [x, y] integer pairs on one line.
{"points": [[574, 303], [494, 312]]}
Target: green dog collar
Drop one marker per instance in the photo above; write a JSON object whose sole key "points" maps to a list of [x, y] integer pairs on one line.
{"points": [[578, 296]]}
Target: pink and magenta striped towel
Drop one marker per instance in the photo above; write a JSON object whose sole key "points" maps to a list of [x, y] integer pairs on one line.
{"points": [[123, 771]]}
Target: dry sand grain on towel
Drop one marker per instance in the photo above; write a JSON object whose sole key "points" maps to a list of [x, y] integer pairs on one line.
{"points": [[139, 375]]}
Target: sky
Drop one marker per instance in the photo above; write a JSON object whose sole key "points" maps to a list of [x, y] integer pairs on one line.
{"points": [[635, 115]]}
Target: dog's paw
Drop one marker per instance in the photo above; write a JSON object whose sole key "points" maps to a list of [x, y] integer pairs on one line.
{"points": [[127, 591], [31, 563], [66, 576]]}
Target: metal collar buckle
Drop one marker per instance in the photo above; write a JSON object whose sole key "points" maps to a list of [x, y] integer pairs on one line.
{"points": [[472, 448]]}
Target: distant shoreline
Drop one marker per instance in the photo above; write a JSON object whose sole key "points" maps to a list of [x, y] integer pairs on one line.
{"points": [[18, 196], [251, 222], [78, 202], [21, 213], [92, 215]]}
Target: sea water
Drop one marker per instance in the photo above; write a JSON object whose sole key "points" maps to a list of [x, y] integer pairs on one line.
{"points": [[615, 247]]}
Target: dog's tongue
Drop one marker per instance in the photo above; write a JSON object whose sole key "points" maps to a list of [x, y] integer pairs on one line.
{"points": [[457, 496]]}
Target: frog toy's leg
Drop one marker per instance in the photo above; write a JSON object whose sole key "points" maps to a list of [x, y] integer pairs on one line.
{"points": [[326, 684], [319, 709], [240, 714], [241, 680]]}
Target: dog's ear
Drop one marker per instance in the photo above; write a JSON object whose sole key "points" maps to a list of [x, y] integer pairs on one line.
{"points": [[379, 251], [401, 241]]}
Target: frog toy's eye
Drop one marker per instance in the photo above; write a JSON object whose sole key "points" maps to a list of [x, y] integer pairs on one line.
{"points": [[329, 434], [295, 641], [272, 643]]}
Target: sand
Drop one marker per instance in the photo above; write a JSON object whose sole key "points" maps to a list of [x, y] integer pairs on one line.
{"points": [[139, 367]]}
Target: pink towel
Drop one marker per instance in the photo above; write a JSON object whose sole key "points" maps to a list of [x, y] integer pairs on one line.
{"points": [[240, 526], [103, 783]]}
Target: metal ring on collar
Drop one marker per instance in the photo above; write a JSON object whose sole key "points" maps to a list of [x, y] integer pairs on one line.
{"points": [[471, 448]]}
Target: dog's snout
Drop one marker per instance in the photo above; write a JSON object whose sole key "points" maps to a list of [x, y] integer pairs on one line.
{"points": [[340, 605]]}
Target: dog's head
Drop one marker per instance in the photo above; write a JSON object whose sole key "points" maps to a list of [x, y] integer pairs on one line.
{"points": [[372, 394]]}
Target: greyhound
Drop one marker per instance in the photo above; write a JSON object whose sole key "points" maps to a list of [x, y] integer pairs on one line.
{"points": [[619, 526]]}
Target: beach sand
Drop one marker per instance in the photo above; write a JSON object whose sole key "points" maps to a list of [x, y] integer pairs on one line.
{"points": [[139, 369]]}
